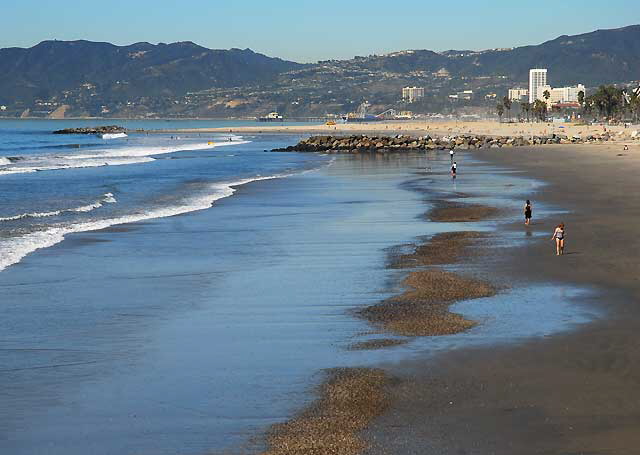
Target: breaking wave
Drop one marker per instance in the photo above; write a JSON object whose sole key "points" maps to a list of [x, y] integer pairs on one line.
{"points": [[13, 250], [107, 198], [113, 157]]}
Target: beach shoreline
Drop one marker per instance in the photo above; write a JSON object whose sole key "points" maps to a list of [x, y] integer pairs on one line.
{"points": [[567, 393], [419, 128], [415, 385], [422, 311], [564, 393]]}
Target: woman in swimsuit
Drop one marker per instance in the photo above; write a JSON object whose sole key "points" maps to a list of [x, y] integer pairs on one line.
{"points": [[558, 235], [528, 209]]}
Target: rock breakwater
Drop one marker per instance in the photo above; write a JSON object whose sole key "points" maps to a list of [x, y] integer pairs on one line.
{"points": [[111, 129], [401, 143]]}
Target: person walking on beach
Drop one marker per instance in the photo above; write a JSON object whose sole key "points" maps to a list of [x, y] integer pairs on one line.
{"points": [[559, 235], [528, 210], [454, 169], [451, 153]]}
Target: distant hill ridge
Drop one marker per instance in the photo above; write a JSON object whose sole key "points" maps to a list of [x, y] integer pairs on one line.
{"points": [[140, 69], [92, 74], [603, 56]]}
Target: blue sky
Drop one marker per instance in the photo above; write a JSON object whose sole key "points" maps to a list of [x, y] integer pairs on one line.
{"points": [[312, 30]]}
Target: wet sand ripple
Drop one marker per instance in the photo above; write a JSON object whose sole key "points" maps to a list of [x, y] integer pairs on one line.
{"points": [[423, 309], [379, 343], [456, 212], [443, 248], [349, 400]]}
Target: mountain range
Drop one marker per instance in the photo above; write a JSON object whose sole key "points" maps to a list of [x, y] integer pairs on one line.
{"points": [[185, 79], [141, 69]]}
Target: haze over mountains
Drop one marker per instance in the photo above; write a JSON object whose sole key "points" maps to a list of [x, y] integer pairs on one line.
{"points": [[184, 79]]}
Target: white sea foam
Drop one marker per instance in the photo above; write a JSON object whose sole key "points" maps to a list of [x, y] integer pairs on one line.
{"points": [[4, 161], [17, 171], [107, 198], [114, 136], [131, 152], [109, 157], [13, 250]]}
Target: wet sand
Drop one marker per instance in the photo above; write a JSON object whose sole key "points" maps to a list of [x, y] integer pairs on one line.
{"points": [[443, 248], [570, 393], [349, 400], [456, 212], [423, 310], [379, 343]]}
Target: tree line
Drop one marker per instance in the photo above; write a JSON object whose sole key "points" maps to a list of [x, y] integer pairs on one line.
{"points": [[608, 103]]}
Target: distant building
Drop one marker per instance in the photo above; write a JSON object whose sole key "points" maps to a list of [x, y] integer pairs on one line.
{"points": [[466, 95], [404, 115], [537, 79], [561, 95], [442, 72], [518, 94], [412, 94], [571, 105]]}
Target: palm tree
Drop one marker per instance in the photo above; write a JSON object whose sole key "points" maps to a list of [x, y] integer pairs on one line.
{"points": [[608, 100], [506, 102], [540, 110], [546, 95], [500, 110], [526, 108], [634, 105], [581, 98]]}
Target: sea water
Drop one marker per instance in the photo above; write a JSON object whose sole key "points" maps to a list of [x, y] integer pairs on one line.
{"points": [[53, 185], [180, 298]]}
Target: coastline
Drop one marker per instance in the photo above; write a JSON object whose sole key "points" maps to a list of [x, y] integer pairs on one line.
{"points": [[409, 384], [419, 312], [488, 128], [568, 393], [170, 305]]}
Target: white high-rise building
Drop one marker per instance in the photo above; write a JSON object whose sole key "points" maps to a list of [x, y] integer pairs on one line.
{"points": [[561, 94], [412, 94], [537, 79], [518, 94]]}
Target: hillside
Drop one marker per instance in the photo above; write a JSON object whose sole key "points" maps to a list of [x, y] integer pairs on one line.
{"points": [[184, 79], [603, 56], [63, 70]]}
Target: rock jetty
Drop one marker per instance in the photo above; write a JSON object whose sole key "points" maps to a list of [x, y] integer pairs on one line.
{"points": [[111, 129], [400, 143]]}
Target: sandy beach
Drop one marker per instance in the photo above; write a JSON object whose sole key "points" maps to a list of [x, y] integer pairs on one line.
{"points": [[571, 393], [489, 128], [464, 355], [568, 393]]}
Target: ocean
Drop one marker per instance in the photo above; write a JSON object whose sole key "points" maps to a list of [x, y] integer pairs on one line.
{"points": [[53, 185], [163, 295]]}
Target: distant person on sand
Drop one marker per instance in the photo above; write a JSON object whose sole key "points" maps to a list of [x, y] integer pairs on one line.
{"points": [[528, 210], [451, 155], [454, 169], [559, 235]]}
